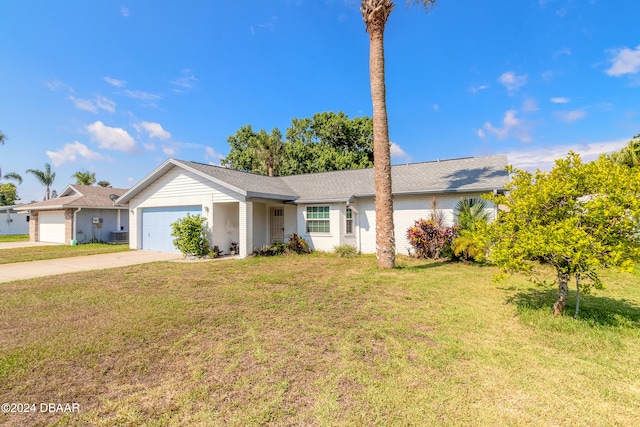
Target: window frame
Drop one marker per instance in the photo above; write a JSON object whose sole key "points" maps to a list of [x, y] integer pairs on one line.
{"points": [[348, 221], [315, 220]]}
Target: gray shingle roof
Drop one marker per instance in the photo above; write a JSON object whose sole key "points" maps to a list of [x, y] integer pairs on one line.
{"points": [[78, 196], [446, 176]]}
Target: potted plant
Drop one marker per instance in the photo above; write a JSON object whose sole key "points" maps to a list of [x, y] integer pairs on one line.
{"points": [[234, 249]]}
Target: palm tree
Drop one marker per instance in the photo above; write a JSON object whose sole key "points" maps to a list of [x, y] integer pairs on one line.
{"points": [[629, 155], [45, 177], [104, 184], [268, 149], [375, 14], [471, 212], [84, 177], [11, 175]]}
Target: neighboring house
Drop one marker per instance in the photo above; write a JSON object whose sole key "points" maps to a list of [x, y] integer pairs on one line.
{"points": [[82, 214], [12, 222], [327, 209]]}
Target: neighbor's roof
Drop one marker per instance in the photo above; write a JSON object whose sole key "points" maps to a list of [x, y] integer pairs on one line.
{"points": [[474, 174], [78, 196]]}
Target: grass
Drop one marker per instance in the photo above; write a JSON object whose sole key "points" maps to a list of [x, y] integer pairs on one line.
{"points": [[15, 238], [36, 253], [317, 340]]}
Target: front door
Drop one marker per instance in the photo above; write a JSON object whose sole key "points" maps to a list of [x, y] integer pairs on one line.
{"points": [[277, 225]]}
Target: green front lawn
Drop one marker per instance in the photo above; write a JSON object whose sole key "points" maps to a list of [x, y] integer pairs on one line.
{"points": [[36, 253], [317, 340], [15, 238]]}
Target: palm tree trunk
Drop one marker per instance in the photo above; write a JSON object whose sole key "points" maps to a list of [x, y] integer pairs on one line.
{"points": [[385, 240]]}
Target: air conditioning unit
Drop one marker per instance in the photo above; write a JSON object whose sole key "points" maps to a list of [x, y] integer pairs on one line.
{"points": [[97, 220]]}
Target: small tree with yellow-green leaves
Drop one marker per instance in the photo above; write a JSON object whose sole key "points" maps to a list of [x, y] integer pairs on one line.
{"points": [[578, 218]]}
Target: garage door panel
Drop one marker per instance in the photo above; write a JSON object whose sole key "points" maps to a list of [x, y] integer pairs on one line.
{"points": [[51, 227], [156, 226]]}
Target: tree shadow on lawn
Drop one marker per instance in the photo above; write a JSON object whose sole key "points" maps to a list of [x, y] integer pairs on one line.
{"points": [[595, 310]]}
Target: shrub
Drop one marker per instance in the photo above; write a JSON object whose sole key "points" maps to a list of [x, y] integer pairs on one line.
{"points": [[296, 245], [430, 240], [346, 251], [190, 236]]}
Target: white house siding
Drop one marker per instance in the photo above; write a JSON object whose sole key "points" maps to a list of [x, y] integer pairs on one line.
{"points": [[290, 221], [406, 210], [176, 188], [13, 223], [321, 241], [260, 225], [224, 225], [86, 230]]}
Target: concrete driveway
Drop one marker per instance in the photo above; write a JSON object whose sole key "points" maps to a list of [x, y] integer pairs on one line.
{"points": [[51, 267], [12, 245]]}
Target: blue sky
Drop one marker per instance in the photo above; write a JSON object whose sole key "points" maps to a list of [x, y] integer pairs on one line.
{"points": [[117, 87]]}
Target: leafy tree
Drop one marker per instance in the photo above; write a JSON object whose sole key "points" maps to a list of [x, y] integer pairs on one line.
{"points": [[104, 184], [629, 155], [328, 141], [578, 218], [8, 194], [44, 177], [375, 14], [241, 155], [84, 177], [325, 142]]}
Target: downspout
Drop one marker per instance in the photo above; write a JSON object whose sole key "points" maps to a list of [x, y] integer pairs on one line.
{"points": [[75, 224]]}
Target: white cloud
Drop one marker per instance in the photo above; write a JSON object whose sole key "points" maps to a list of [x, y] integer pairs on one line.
{"points": [[529, 105], [511, 127], [563, 51], [624, 61], [143, 96], [154, 130], [169, 151], [184, 82], [56, 85], [70, 153], [115, 82], [398, 153], [124, 11], [560, 100], [212, 156], [111, 138], [570, 116], [100, 102], [543, 158], [84, 104], [436, 107], [105, 104], [476, 89], [512, 81]]}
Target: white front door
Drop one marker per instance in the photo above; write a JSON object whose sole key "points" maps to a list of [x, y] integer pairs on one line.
{"points": [[276, 225]]}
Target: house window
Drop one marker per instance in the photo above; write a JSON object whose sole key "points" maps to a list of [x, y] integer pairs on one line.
{"points": [[349, 223], [318, 219]]}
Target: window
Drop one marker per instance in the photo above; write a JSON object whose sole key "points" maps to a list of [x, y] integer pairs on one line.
{"points": [[349, 224], [318, 219]]}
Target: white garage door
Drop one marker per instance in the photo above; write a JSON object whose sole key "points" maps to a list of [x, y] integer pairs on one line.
{"points": [[51, 226], [156, 226]]}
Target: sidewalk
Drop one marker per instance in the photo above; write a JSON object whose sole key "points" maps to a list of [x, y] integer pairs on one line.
{"points": [[51, 267]]}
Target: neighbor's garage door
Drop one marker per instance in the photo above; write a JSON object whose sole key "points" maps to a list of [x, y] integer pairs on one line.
{"points": [[51, 226], [156, 226]]}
